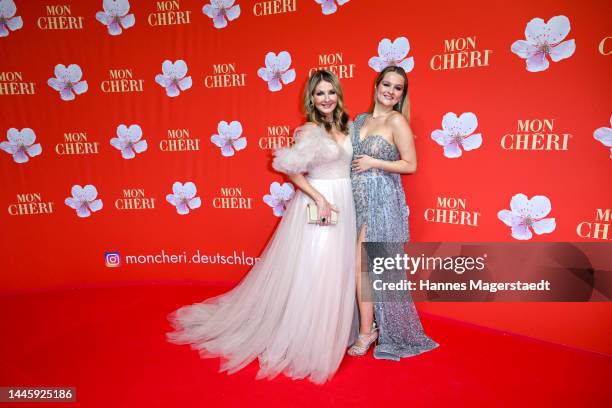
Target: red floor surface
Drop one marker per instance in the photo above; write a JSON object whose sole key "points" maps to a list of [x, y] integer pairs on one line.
{"points": [[109, 343]]}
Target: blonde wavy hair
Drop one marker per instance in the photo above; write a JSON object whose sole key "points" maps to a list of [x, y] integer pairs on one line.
{"points": [[339, 118], [403, 106]]}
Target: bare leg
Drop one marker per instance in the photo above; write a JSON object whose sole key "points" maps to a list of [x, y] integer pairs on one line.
{"points": [[366, 308]]}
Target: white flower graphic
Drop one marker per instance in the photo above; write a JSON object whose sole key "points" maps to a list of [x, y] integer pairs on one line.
{"points": [[173, 77], [8, 21], [183, 197], [221, 11], [84, 200], [279, 196], [545, 39], [128, 141], [277, 70], [526, 214], [392, 53], [457, 132], [229, 138], [604, 135], [115, 16], [21, 144], [68, 81], [329, 6]]}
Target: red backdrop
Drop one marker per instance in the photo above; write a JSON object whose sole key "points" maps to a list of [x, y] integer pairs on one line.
{"points": [[48, 246]]}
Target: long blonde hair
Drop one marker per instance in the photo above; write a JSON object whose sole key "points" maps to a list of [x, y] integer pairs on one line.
{"points": [[339, 117], [403, 106]]}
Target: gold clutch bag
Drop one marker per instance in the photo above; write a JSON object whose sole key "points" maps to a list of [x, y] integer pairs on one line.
{"points": [[313, 215]]}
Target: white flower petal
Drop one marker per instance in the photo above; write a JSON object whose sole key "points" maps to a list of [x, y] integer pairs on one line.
{"points": [[189, 189], [535, 30], [564, 50], [275, 85], [544, 226], [467, 123], [140, 146], [177, 188], [74, 73], [377, 64], [509, 218], [95, 205], [523, 49], [77, 191], [185, 83], [557, 29], [288, 76], [240, 144], [472, 142], [518, 203], [265, 74], [234, 129], [283, 60], [34, 150], [14, 23], [194, 203], [407, 64], [27, 136], [521, 232], [449, 121], [128, 21], [452, 151], [538, 207], [537, 62], [80, 87], [218, 140], [440, 137], [233, 12], [167, 67], [90, 192], [180, 68], [400, 48], [604, 135]]}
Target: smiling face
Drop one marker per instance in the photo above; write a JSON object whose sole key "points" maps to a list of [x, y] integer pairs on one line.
{"points": [[390, 89], [325, 98]]}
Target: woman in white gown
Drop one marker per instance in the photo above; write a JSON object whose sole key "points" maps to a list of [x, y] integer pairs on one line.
{"points": [[294, 310]]}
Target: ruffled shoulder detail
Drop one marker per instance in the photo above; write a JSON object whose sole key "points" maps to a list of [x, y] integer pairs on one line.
{"points": [[312, 147]]}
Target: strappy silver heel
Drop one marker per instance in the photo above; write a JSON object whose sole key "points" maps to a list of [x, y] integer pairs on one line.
{"points": [[367, 340]]}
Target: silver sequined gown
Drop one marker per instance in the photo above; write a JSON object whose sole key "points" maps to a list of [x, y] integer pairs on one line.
{"points": [[380, 206]]}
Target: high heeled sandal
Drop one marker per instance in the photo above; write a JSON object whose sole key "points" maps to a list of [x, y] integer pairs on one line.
{"points": [[367, 339]]}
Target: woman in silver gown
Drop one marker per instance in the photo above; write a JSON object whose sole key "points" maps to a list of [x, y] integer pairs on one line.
{"points": [[383, 148]]}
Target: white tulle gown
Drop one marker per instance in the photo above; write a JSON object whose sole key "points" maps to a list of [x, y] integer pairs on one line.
{"points": [[294, 310]]}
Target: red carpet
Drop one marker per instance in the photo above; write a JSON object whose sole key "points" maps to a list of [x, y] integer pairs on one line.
{"points": [[109, 343]]}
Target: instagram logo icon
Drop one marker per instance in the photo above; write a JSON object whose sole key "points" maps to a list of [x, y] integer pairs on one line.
{"points": [[112, 259]]}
